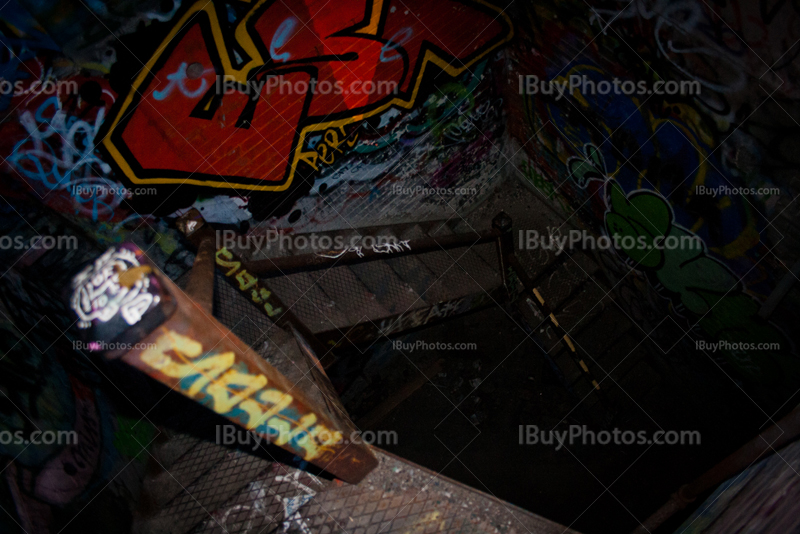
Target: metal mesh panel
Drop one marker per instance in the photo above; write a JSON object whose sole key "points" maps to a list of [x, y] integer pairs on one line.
{"points": [[241, 493], [350, 294], [244, 319], [268, 502], [231, 471]]}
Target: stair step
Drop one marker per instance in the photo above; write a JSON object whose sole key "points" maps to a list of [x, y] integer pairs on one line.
{"points": [[262, 505], [558, 285], [239, 314], [313, 306], [391, 288], [487, 251], [583, 306], [476, 268], [417, 275], [350, 294], [175, 445], [392, 292], [604, 332], [452, 281]]}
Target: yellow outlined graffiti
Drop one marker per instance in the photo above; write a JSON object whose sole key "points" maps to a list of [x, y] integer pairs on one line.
{"points": [[244, 39]]}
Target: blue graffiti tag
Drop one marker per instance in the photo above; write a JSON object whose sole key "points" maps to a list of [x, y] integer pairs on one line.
{"points": [[396, 41], [281, 37], [69, 165], [178, 78]]}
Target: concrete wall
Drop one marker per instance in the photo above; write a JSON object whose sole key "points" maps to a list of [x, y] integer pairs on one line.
{"points": [[622, 160]]}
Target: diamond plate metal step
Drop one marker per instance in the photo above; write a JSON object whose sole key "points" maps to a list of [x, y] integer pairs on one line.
{"points": [[241, 494]]}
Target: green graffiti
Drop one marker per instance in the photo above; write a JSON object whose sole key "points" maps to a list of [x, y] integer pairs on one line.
{"points": [[641, 224], [447, 113]]}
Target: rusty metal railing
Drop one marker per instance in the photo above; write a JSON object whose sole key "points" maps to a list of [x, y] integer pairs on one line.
{"points": [[124, 302]]}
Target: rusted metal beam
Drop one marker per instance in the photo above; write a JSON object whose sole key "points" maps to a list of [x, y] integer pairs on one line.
{"points": [[362, 254], [122, 295], [201, 278]]}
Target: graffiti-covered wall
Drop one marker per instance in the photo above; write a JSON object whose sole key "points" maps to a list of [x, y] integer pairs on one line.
{"points": [[298, 113], [671, 128], [68, 442]]}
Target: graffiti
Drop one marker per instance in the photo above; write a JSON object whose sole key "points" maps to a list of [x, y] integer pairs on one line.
{"points": [[281, 37], [218, 140], [423, 124], [325, 150], [720, 46], [674, 20], [617, 158], [57, 155], [41, 394], [395, 41], [391, 248], [359, 251], [222, 209], [258, 511], [700, 287], [228, 388], [178, 79], [292, 505], [114, 284], [387, 326], [22, 39], [453, 139], [451, 115], [248, 284], [254, 504], [381, 248], [164, 17]]}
